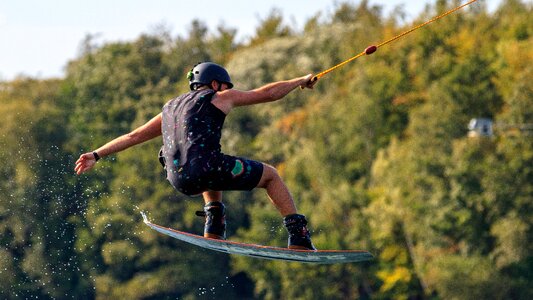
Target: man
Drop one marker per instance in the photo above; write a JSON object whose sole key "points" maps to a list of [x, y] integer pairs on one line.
{"points": [[191, 126]]}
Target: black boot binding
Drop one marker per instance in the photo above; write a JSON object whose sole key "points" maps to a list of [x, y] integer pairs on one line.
{"points": [[299, 236], [215, 220]]}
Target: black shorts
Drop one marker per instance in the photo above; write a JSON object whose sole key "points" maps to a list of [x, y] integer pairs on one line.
{"points": [[223, 173]]}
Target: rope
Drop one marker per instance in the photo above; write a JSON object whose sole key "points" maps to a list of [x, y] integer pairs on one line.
{"points": [[372, 49]]}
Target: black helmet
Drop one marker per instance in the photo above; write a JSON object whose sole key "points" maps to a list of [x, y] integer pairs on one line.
{"points": [[204, 73]]}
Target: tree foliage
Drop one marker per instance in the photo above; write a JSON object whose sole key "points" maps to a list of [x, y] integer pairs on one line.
{"points": [[377, 157]]}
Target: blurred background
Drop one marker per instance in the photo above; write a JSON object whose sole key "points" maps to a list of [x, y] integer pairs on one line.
{"points": [[421, 153]]}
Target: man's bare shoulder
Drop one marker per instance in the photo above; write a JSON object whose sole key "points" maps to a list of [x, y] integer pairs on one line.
{"points": [[231, 94], [227, 99]]}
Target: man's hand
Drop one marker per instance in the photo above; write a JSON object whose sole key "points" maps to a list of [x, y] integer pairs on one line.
{"points": [[85, 163], [310, 81]]}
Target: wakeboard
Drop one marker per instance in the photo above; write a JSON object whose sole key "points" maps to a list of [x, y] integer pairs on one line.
{"points": [[266, 252]]}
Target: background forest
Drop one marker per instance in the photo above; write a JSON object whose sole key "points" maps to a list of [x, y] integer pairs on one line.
{"points": [[377, 156]]}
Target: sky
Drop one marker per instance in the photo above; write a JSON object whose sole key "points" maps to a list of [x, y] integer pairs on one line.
{"points": [[38, 38]]}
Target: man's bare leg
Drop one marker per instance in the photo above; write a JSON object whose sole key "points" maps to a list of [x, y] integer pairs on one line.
{"points": [[277, 191], [212, 196], [299, 237]]}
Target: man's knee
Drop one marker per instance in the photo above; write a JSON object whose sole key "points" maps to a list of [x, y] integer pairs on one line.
{"points": [[269, 174]]}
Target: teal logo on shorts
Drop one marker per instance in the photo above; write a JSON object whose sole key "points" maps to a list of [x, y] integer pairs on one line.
{"points": [[238, 169]]}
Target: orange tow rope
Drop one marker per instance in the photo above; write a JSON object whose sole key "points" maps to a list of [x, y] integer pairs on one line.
{"points": [[371, 49]]}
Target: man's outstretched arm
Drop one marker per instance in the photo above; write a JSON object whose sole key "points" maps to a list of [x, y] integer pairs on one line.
{"points": [[142, 134], [227, 99]]}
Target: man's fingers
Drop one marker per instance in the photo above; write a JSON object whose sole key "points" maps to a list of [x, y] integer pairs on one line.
{"points": [[84, 163]]}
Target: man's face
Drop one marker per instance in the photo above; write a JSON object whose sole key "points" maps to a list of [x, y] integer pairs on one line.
{"points": [[224, 86], [218, 86]]}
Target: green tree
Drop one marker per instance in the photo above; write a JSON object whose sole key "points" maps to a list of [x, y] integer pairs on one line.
{"points": [[271, 27], [36, 238]]}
